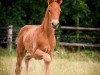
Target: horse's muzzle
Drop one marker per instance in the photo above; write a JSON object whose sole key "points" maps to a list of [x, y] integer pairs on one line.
{"points": [[55, 26]]}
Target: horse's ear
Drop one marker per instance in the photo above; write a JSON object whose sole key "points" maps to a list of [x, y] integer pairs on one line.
{"points": [[49, 1], [59, 1]]}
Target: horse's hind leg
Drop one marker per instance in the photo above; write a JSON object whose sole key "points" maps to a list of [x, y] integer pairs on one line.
{"points": [[20, 55]]}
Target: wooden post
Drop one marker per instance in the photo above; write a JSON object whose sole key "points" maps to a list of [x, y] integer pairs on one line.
{"points": [[10, 31], [77, 32]]}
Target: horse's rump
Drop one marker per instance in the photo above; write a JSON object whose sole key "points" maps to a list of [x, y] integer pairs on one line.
{"points": [[23, 31]]}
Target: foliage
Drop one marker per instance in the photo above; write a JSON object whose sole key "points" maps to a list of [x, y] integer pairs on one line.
{"points": [[18, 12], [21, 12], [87, 12]]}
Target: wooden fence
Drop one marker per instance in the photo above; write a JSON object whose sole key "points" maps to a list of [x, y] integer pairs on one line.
{"points": [[7, 37], [80, 29], [11, 39]]}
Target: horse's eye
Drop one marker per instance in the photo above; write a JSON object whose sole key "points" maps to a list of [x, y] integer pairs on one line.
{"points": [[49, 10]]}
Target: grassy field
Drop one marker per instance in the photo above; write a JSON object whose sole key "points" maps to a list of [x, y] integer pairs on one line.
{"points": [[64, 63]]}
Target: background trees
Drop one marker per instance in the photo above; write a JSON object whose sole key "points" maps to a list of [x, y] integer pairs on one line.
{"points": [[20, 12], [83, 13]]}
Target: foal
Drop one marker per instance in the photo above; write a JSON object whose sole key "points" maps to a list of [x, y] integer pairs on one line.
{"points": [[39, 41]]}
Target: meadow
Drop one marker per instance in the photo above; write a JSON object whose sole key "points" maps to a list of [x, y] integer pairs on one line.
{"points": [[63, 63]]}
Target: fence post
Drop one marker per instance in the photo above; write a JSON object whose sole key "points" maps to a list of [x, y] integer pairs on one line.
{"points": [[77, 33], [10, 31]]}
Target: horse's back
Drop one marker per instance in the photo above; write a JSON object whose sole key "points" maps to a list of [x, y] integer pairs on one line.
{"points": [[26, 28]]}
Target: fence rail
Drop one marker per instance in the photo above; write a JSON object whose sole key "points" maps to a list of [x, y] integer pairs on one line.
{"points": [[80, 44], [79, 28], [10, 36]]}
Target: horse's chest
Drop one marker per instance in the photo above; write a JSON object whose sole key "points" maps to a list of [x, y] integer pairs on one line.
{"points": [[43, 43], [46, 44]]}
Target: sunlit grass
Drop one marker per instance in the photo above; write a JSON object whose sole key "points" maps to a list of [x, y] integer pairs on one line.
{"points": [[58, 67], [64, 63]]}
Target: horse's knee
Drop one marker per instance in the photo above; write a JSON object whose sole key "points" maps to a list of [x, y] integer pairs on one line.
{"points": [[47, 57], [28, 56]]}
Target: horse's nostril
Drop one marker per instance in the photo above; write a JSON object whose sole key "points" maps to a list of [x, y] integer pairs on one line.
{"points": [[52, 23]]}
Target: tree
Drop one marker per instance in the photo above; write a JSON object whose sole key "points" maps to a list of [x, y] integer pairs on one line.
{"points": [[19, 13]]}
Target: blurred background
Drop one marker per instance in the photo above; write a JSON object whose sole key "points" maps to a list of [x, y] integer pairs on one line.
{"points": [[78, 36], [74, 14]]}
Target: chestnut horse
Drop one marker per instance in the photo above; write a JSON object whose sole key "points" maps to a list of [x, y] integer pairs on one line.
{"points": [[39, 41]]}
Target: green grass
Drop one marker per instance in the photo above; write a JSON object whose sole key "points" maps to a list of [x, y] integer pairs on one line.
{"points": [[64, 63], [85, 55], [6, 52]]}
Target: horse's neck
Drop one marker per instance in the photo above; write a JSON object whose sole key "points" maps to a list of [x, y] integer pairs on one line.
{"points": [[47, 26]]}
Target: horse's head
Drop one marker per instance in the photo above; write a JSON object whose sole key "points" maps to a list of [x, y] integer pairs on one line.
{"points": [[54, 12]]}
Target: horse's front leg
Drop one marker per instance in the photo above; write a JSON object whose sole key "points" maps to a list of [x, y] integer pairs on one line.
{"points": [[39, 54], [47, 61]]}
